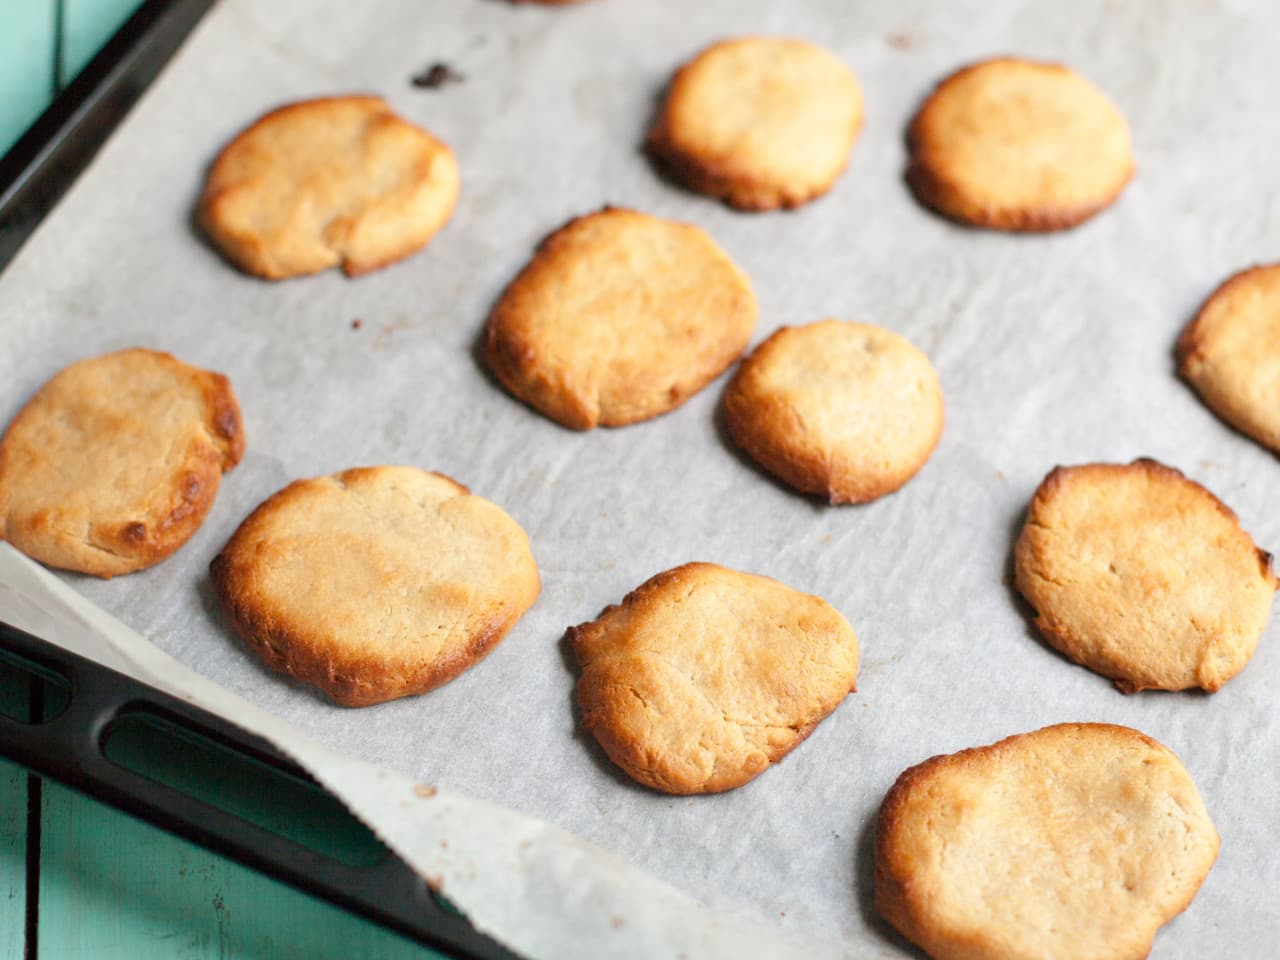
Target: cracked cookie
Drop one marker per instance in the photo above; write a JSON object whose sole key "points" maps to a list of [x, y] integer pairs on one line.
{"points": [[326, 183], [1017, 145], [760, 122], [115, 462], [375, 583], [1143, 576], [619, 317], [1076, 841], [703, 676], [845, 410], [1230, 353]]}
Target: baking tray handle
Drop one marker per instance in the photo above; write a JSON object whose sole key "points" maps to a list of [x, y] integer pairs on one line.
{"points": [[69, 747]]}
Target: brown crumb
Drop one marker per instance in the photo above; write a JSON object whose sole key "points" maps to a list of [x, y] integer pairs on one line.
{"points": [[436, 76], [422, 790], [616, 922], [826, 538], [900, 41], [357, 324], [435, 882]]}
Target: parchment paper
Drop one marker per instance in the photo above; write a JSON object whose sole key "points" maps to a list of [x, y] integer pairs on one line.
{"points": [[1051, 350]]}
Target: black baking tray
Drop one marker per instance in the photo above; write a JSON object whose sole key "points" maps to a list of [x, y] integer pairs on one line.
{"points": [[70, 744]]}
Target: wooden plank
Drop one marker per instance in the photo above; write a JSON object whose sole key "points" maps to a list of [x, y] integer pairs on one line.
{"points": [[13, 826], [87, 25], [26, 65], [112, 888], [13, 860]]}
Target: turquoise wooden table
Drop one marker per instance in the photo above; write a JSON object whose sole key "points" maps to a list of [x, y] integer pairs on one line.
{"points": [[77, 879]]}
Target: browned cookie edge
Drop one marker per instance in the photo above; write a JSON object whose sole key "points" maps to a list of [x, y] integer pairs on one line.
{"points": [[1060, 636], [242, 250], [897, 898], [1189, 353], [759, 424], [138, 545], [245, 251], [512, 356], [292, 649], [625, 752], [703, 174], [942, 196]]}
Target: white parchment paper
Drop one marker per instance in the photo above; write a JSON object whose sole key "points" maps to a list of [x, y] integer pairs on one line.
{"points": [[1054, 349]]}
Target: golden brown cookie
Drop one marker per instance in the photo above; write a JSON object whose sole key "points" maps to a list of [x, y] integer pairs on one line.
{"points": [[1143, 576], [1230, 353], [1017, 145], [845, 410], [760, 122], [325, 183], [116, 461], [619, 317], [375, 583], [1076, 841], [702, 677]]}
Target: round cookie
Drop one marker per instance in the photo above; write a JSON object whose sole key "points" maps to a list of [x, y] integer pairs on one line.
{"points": [[116, 461], [618, 318], [1078, 840], [1143, 576], [325, 183], [702, 677], [1017, 145], [845, 410], [375, 583], [1230, 353], [760, 122]]}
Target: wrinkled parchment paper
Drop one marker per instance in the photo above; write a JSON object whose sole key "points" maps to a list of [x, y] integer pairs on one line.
{"points": [[1051, 350]]}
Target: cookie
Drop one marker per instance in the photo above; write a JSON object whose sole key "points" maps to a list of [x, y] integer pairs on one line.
{"points": [[1016, 145], [1230, 353], [375, 583], [1076, 841], [116, 461], [326, 183], [618, 318], [845, 410], [702, 677], [760, 122], [1143, 576]]}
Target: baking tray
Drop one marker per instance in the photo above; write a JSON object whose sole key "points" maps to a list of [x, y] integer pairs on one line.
{"points": [[68, 744], [1053, 349]]}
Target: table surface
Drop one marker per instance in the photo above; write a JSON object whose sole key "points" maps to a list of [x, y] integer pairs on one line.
{"points": [[78, 879]]}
